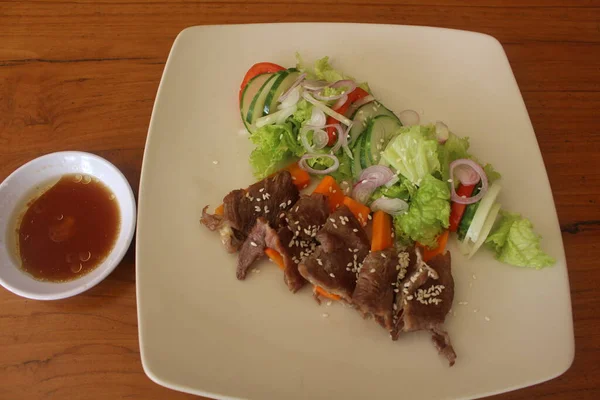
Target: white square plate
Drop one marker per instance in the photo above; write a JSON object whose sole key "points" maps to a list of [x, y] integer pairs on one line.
{"points": [[202, 331]]}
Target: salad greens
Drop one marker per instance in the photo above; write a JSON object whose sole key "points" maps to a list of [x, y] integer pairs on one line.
{"points": [[348, 134], [514, 242], [274, 145], [428, 214], [413, 153]]}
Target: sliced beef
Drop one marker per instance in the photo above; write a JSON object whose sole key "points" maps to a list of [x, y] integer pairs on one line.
{"points": [[304, 220], [231, 239], [425, 300], [377, 284], [253, 247], [293, 242], [268, 199], [427, 306], [336, 261]]}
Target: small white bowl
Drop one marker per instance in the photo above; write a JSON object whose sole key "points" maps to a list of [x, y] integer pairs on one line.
{"points": [[35, 174]]}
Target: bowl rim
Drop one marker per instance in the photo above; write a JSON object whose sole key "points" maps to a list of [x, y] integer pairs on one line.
{"points": [[106, 268]]}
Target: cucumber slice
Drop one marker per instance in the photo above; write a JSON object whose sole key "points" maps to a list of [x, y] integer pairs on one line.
{"points": [[356, 166], [484, 209], [279, 87], [485, 230], [365, 160], [382, 129], [251, 89], [258, 102], [364, 114]]}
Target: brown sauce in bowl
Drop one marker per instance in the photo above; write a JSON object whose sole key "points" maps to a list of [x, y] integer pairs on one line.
{"points": [[68, 230]]}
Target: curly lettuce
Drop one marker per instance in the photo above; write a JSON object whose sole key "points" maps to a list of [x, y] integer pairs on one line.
{"points": [[428, 213], [274, 145], [515, 243]]}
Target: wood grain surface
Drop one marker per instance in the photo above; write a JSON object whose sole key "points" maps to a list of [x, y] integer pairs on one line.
{"points": [[83, 74]]}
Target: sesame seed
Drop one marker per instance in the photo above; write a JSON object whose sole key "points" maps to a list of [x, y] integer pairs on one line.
{"points": [[463, 303], [474, 277], [261, 190], [383, 255], [324, 315], [475, 310], [258, 199], [332, 220], [372, 270], [289, 202], [256, 271], [349, 264], [487, 319], [450, 180], [332, 275], [396, 290], [335, 226], [354, 230], [319, 261], [409, 297], [215, 162], [266, 210], [293, 178], [253, 244], [328, 303], [395, 306], [257, 208], [369, 217]]}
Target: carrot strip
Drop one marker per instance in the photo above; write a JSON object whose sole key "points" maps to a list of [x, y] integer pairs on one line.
{"points": [[300, 177], [321, 292], [382, 231], [428, 253], [275, 257], [329, 187], [360, 211]]}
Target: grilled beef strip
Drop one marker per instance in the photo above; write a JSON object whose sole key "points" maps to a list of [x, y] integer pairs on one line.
{"points": [[336, 262], [377, 285], [425, 299], [304, 220], [266, 199]]}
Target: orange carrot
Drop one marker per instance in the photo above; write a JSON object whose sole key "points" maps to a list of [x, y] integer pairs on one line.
{"points": [[360, 211], [321, 292], [428, 253], [300, 177], [275, 257], [382, 231], [329, 187], [219, 210]]}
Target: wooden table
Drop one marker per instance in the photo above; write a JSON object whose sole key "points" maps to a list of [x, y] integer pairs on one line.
{"points": [[82, 75]]}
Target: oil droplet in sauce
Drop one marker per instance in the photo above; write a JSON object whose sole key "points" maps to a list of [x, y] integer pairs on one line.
{"points": [[68, 230]]}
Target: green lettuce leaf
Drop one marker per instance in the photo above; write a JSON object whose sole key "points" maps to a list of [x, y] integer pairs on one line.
{"points": [[302, 114], [403, 189], [491, 173], [428, 214], [515, 243], [323, 70], [413, 153], [274, 144], [344, 171]]}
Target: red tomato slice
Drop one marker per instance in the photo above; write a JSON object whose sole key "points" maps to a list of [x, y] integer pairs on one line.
{"points": [[356, 94], [457, 210], [257, 69]]}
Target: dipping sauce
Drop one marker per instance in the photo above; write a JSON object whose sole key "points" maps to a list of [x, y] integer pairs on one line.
{"points": [[69, 230]]}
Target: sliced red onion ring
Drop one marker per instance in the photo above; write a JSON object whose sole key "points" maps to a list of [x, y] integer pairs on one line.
{"points": [[304, 164], [341, 101], [319, 139], [351, 85], [378, 174], [342, 140], [317, 118], [442, 133], [326, 109], [363, 190], [291, 99], [466, 175], [478, 170], [314, 85], [409, 117], [294, 85], [390, 206], [358, 103]]}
